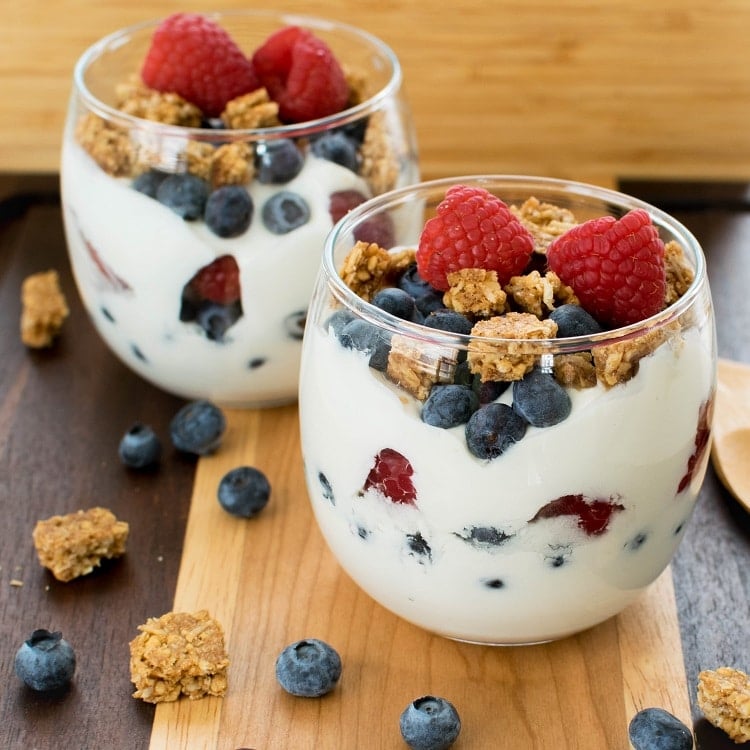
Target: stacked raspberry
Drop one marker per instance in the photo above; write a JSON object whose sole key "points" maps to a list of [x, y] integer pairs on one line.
{"points": [[192, 56]]}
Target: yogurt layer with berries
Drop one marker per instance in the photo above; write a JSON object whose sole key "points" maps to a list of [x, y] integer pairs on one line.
{"points": [[557, 527], [195, 256]]}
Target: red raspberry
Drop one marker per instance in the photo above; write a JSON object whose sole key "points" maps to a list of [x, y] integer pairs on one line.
{"points": [[702, 434], [615, 267], [472, 229], [593, 515], [218, 282], [301, 74], [378, 228], [193, 57], [391, 475]]}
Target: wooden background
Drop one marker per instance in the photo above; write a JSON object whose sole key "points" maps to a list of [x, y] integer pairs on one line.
{"points": [[557, 87]]}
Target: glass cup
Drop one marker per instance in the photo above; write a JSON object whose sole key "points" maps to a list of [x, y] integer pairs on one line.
{"points": [[141, 253], [501, 527]]}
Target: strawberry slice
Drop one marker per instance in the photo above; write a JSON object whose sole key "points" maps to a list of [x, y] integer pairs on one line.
{"points": [[301, 74]]}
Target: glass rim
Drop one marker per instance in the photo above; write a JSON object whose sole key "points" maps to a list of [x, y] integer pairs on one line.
{"points": [[395, 198], [121, 36]]}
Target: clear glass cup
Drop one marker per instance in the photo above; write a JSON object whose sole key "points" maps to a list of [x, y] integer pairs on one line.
{"points": [[134, 258], [567, 525]]}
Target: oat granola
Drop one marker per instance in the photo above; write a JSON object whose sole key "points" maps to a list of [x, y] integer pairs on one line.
{"points": [[73, 545], [178, 654], [539, 294], [545, 221], [724, 698], [134, 98], [365, 268], [417, 369], [679, 273], [108, 145], [250, 111], [44, 309], [512, 359], [475, 291]]}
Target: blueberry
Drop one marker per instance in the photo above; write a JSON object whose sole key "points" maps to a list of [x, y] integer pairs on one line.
{"points": [[216, 318], [46, 661], [463, 375], [573, 320], [197, 427], [430, 723], [412, 283], [419, 546], [140, 447], [484, 537], [540, 399], [325, 486], [381, 351], [359, 334], [229, 211], [493, 429], [278, 162], [489, 390], [338, 321], [285, 212], [396, 302], [449, 405], [244, 491], [657, 729], [185, 194], [308, 668], [338, 148], [428, 302], [448, 320], [148, 182], [295, 324]]}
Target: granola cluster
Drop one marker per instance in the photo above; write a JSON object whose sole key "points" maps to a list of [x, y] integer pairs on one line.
{"points": [[724, 699], [179, 654], [43, 309], [122, 154], [509, 319], [73, 545]]}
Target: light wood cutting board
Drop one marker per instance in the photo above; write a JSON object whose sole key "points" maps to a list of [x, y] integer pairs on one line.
{"points": [[271, 580]]}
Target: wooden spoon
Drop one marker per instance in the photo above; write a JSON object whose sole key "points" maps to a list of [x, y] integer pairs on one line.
{"points": [[731, 427]]}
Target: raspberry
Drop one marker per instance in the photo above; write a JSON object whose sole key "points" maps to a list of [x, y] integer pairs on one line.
{"points": [[391, 475], [378, 228], [219, 281], [615, 267], [593, 515], [472, 229], [702, 434], [301, 74], [193, 57]]}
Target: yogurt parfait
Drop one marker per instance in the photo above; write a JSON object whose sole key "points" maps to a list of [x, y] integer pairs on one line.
{"points": [[205, 159], [506, 411]]}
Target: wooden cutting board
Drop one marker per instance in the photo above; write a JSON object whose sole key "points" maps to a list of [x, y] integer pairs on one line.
{"points": [[271, 580]]}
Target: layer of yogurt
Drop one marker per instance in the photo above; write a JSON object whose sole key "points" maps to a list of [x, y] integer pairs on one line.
{"points": [[132, 256], [630, 443]]}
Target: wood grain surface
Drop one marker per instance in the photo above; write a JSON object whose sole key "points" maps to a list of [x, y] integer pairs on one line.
{"points": [[643, 88], [271, 580]]}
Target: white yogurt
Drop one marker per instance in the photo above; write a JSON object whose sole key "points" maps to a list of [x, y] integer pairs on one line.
{"points": [[630, 443], [151, 253]]}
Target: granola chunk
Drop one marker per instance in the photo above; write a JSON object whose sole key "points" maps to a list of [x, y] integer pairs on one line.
{"points": [[537, 294], [379, 163], [358, 83], [43, 309], [179, 654], [545, 221], [136, 99], [232, 164], [74, 544], [109, 146], [475, 291], [513, 358], [417, 369], [679, 273], [365, 268], [575, 370], [199, 158], [250, 111], [724, 698], [618, 363]]}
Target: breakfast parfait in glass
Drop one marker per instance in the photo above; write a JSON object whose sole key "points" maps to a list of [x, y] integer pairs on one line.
{"points": [[205, 159], [506, 410]]}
